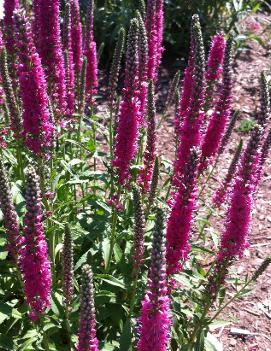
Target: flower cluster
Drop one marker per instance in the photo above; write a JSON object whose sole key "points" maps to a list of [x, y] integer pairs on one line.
{"points": [[142, 67], [67, 281], [76, 36], [190, 130], [69, 63], [154, 28], [48, 41], [181, 216], [127, 130], [90, 54], [237, 227], [37, 125], [155, 319], [221, 114], [145, 174], [214, 64], [33, 256], [87, 340]]}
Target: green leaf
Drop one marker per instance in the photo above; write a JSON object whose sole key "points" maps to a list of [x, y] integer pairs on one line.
{"points": [[5, 312], [126, 337], [212, 344], [6, 343], [111, 280], [117, 252], [82, 260], [200, 342], [3, 255]]}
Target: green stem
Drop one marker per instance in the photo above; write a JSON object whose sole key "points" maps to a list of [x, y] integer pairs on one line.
{"points": [[208, 178], [112, 238], [210, 214], [163, 117], [45, 341], [111, 141], [20, 169], [201, 323], [133, 293], [199, 326], [67, 328], [235, 296]]}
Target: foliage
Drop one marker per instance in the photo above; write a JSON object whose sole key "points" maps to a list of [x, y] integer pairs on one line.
{"points": [[215, 15], [96, 220], [246, 125]]}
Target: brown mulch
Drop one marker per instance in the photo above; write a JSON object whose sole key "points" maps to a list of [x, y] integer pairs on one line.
{"points": [[252, 313]]}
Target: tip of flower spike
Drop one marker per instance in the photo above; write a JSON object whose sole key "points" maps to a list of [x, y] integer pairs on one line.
{"points": [[265, 264], [195, 24]]}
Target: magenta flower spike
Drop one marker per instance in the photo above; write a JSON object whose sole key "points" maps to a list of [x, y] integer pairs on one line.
{"points": [[181, 217], [90, 53], [70, 73], [238, 223], [77, 37], [127, 130], [215, 63], [160, 31], [145, 174], [36, 22], [33, 256], [155, 29], [47, 19], [190, 130], [152, 36], [220, 117], [87, 340], [155, 319], [10, 6], [37, 126]]}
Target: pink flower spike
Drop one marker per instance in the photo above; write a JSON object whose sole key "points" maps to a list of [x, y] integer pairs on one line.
{"points": [[91, 55], [76, 34], [160, 31], [69, 63], [215, 59], [145, 174], [37, 126], [181, 217], [190, 131], [33, 256], [47, 19], [127, 130], [238, 223], [220, 117], [155, 318]]}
